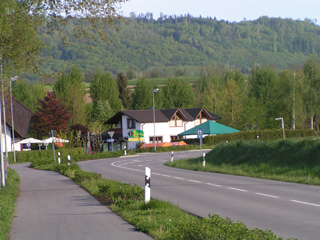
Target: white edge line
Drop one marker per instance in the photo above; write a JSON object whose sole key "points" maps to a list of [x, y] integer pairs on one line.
{"points": [[238, 189], [267, 195], [306, 203]]}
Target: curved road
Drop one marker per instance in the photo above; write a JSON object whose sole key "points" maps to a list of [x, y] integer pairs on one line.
{"points": [[289, 210]]}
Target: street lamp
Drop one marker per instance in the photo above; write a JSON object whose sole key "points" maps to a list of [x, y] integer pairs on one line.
{"points": [[12, 142], [154, 118], [282, 126]]}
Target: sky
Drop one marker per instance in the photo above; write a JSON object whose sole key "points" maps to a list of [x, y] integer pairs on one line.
{"points": [[229, 10]]}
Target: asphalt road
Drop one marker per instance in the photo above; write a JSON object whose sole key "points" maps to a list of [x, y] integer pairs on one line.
{"points": [[52, 207], [289, 210]]}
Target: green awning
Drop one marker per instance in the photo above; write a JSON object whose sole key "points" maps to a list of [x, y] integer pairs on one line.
{"points": [[210, 128]]}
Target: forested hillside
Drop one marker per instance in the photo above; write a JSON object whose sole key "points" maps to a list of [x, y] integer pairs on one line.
{"points": [[173, 45]]}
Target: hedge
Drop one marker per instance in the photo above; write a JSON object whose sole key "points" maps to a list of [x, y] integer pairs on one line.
{"points": [[47, 156], [258, 134]]}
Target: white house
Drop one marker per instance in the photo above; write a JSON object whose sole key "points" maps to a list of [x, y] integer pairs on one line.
{"points": [[168, 124]]}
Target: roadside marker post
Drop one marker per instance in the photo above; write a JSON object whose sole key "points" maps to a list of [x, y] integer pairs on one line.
{"points": [[125, 151], [147, 187], [204, 160], [69, 160], [59, 160], [172, 156]]}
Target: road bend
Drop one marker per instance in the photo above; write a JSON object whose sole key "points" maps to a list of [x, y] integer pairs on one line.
{"points": [[289, 210]]}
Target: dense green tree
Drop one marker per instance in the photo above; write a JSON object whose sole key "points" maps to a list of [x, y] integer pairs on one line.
{"points": [[124, 92], [311, 70], [264, 84], [70, 89], [178, 93], [142, 95], [27, 93], [104, 88]]}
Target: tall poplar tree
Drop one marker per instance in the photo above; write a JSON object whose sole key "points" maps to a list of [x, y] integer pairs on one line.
{"points": [[70, 89]]}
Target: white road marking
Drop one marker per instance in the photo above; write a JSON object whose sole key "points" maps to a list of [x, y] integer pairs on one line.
{"points": [[179, 178], [190, 180], [121, 164], [238, 189], [306, 203], [215, 185], [165, 175], [266, 195]]}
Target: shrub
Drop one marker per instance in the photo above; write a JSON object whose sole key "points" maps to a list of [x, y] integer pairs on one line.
{"points": [[263, 135]]}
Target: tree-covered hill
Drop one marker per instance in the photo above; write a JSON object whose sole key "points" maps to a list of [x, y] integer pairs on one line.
{"points": [[182, 45]]}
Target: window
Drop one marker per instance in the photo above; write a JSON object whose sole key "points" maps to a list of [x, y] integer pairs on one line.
{"points": [[176, 121], [131, 123], [172, 138], [158, 139]]}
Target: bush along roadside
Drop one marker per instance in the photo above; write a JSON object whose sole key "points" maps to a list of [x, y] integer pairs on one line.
{"points": [[160, 219], [8, 196]]}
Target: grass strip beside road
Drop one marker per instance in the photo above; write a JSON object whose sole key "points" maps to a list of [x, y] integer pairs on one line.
{"points": [[291, 160], [8, 196], [159, 219]]}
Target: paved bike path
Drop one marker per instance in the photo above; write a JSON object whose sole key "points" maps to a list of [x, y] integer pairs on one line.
{"points": [[51, 206]]}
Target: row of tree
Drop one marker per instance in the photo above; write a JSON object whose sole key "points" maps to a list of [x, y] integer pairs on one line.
{"points": [[245, 102]]}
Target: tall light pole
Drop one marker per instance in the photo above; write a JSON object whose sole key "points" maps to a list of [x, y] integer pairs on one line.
{"points": [[12, 135], [3, 177], [154, 118]]}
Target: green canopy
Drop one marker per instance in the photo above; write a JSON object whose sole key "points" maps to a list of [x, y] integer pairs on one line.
{"points": [[210, 128]]}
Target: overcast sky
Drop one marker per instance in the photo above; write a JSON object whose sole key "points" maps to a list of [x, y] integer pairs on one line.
{"points": [[231, 10]]}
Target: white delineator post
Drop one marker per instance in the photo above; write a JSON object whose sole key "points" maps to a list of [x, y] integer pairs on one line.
{"points": [[172, 156], [125, 151], [147, 189], [69, 160], [59, 160], [204, 160]]}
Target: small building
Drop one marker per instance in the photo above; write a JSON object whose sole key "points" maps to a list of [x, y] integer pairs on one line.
{"points": [[168, 124], [22, 118]]}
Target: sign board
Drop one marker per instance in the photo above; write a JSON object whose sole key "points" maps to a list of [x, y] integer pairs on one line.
{"points": [[199, 133], [136, 135], [110, 140], [111, 133]]}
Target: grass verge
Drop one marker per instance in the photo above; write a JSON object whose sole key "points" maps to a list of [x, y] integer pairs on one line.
{"points": [[159, 219], [291, 160], [8, 196]]}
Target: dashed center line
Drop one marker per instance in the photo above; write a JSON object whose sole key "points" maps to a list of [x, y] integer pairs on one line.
{"points": [[306, 203], [238, 189], [190, 180], [267, 195], [123, 165], [215, 185], [179, 178]]}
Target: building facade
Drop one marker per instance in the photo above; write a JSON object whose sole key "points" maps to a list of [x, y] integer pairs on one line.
{"points": [[164, 127]]}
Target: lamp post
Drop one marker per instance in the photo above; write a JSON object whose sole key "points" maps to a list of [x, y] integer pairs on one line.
{"points": [[154, 118], [12, 121], [282, 126]]}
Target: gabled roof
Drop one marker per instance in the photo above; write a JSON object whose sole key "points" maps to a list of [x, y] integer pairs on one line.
{"points": [[142, 116], [164, 115], [169, 113], [194, 113], [21, 117]]}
